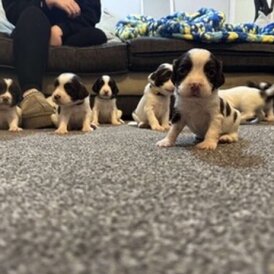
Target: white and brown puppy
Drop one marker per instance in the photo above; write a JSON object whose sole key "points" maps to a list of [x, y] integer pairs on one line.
{"points": [[153, 109], [252, 101], [197, 75], [10, 113], [72, 98], [105, 110]]}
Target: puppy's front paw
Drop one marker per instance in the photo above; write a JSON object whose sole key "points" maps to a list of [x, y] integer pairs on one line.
{"points": [[157, 128], [96, 124], [165, 143], [269, 119], [15, 129], [229, 138], [207, 145], [61, 131], [166, 127], [87, 129], [116, 123]]}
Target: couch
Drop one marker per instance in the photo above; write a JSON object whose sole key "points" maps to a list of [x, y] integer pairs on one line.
{"points": [[131, 62]]}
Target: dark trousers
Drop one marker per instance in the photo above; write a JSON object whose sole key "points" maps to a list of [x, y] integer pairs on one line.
{"points": [[31, 46]]}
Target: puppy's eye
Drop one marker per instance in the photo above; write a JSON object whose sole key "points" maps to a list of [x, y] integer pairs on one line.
{"points": [[184, 69], [211, 73]]}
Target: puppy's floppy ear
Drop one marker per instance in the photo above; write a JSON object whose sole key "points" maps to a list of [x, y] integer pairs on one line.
{"points": [[97, 85], [83, 92], [174, 71], [16, 93], [217, 78], [114, 87], [3, 86], [76, 89], [151, 78]]}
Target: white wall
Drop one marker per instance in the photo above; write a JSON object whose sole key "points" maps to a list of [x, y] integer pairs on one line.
{"points": [[237, 11], [242, 11], [192, 6], [122, 8], [156, 8]]}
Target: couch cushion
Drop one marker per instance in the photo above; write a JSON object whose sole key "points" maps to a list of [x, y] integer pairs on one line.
{"points": [[107, 58], [145, 54]]}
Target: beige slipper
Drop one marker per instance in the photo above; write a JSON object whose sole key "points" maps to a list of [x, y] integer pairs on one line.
{"points": [[36, 111]]}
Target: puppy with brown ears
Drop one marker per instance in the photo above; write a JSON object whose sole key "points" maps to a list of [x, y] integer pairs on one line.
{"points": [[153, 109], [72, 98], [10, 113], [105, 110], [197, 75]]}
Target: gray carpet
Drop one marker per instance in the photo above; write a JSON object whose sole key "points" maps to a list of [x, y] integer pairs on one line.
{"points": [[111, 202]]}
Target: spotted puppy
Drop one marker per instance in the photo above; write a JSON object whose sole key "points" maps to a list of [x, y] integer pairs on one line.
{"points": [[153, 109], [72, 98], [197, 75], [267, 93], [105, 110], [10, 113], [254, 101]]}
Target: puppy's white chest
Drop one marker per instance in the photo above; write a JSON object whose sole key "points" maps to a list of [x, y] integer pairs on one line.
{"points": [[158, 104], [7, 115], [76, 114], [197, 113], [3, 120], [105, 109], [161, 105]]}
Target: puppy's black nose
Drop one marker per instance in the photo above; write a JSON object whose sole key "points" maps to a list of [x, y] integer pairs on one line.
{"points": [[56, 97], [5, 99], [195, 89]]}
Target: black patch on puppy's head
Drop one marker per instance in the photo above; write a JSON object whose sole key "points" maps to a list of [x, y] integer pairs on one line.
{"points": [[181, 68], [13, 89], [161, 75], [114, 87], [214, 72], [76, 89], [16, 93], [98, 85], [3, 86]]}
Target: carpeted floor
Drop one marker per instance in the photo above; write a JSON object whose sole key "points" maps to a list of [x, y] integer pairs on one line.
{"points": [[111, 202]]}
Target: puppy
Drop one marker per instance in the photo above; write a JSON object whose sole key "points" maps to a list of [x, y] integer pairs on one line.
{"points": [[197, 75], [153, 109], [267, 92], [253, 102], [10, 113], [105, 110], [72, 98]]}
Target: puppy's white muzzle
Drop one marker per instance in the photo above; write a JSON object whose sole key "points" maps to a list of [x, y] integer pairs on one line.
{"points": [[5, 101]]}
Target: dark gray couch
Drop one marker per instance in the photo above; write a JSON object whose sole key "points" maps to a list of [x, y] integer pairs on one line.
{"points": [[130, 63]]}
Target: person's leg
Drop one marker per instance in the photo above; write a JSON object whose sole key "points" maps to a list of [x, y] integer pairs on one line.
{"points": [[86, 37], [30, 49]]}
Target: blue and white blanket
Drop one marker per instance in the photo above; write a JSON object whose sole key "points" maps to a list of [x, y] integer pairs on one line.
{"points": [[206, 25]]}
